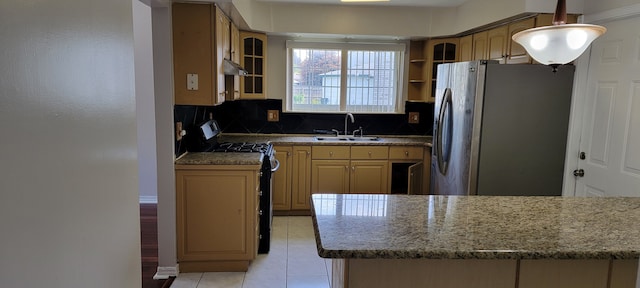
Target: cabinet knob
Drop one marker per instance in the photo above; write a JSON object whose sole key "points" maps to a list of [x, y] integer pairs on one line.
{"points": [[353, 168], [331, 153], [308, 153], [369, 154], [288, 154], [406, 153]]}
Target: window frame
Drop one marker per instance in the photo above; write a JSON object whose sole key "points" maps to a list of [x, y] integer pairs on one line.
{"points": [[345, 48]]}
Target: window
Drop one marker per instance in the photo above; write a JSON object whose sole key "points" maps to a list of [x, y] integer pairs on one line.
{"points": [[344, 77]]}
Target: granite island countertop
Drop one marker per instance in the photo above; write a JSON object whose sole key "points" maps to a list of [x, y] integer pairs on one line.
{"points": [[475, 227]]}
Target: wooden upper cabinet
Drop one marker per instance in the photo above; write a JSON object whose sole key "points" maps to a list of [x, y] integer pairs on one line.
{"points": [[515, 52], [196, 64], [233, 89], [465, 53], [480, 46], [439, 51], [223, 51], [497, 43], [253, 57]]}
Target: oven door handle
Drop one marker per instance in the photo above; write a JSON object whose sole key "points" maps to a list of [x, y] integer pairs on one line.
{"points": [[274, 169]]}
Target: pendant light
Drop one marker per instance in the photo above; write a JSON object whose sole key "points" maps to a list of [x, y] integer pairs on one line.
{"points": [[559, 43]]}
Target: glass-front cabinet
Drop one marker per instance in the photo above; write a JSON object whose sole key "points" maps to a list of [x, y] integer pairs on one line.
{"points": [[439, 51], [254, 60]]}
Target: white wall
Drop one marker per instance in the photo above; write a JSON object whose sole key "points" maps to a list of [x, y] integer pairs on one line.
{"points": [[145, 103], [594, 6], [69, 183], [163, 87]]}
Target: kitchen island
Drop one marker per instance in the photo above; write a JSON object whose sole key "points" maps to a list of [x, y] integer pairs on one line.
{"points": [[478, 241]]}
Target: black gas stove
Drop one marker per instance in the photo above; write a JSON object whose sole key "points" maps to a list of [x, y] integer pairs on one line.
{"points": [[243, 147]]}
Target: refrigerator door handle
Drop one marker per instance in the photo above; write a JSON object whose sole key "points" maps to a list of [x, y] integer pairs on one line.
{"points": [[446, 104]]}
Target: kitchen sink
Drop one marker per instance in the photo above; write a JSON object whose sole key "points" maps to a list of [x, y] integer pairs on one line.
{"points": [[347, 138]]}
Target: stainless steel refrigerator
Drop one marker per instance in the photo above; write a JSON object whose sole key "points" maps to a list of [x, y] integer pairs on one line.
{"points": [[500, 129]]}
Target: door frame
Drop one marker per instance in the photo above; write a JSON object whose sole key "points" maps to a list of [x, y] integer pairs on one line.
{"points": [[579, 91]]}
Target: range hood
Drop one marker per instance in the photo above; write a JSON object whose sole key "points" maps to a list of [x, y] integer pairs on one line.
{"points": [[231, 68]]}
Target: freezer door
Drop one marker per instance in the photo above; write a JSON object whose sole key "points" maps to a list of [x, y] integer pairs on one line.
{"points": [[525, 121], [453, 128]]}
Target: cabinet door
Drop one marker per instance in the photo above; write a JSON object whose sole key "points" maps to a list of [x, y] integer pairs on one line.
{"points": [[415, 179], [480, 45], [465, 52], [439, 51], [497, 43], [516, 53], [233, 90], [282, 179], [254, 60], [369, 177], [426, 171], [301, 182], [223, 51], [330, 176], [193, 54], [215, 215]]}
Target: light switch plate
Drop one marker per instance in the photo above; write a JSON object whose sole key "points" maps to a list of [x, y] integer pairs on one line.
{"points": [[192, 82], [273, 115], [414, 117]]}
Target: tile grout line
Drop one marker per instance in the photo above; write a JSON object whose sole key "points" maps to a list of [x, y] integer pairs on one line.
{"points": [[286, 265]]}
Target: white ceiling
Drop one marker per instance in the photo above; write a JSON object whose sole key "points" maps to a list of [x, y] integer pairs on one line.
{"points": [[415, 3]]}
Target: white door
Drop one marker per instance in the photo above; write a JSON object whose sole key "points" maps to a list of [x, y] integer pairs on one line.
{"points": [[610, 137]]}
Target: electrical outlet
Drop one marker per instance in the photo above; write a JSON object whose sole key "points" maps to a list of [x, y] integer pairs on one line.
{"points": [[179, 131], [414, 117], [192, 82], [273, 115]]}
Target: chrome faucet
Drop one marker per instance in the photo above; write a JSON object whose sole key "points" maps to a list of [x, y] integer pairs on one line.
{"points": [[348, 115], [359, 130]]}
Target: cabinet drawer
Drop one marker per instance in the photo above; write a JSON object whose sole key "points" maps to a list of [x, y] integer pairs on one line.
{"points": [[330, 152], [369, 152], [406, 152]]}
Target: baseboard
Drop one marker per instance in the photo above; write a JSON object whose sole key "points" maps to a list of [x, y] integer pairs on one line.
{"points": [[149, 199], [166, 272]]}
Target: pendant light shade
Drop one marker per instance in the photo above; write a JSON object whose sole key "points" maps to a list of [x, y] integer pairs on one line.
{"points": [[559, 43]]}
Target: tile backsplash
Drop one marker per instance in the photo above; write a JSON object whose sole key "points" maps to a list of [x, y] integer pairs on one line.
{"points": [[250, 116]]}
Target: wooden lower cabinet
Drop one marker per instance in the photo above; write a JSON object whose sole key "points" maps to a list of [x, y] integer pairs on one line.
{"points": [[479, 273], [305, 170], [330, 176], [301, 178], [216, 214], [369, 177], [281, 188], [345, 176]]}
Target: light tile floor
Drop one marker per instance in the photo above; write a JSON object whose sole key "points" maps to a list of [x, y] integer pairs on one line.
{"points": [[292, 262]]}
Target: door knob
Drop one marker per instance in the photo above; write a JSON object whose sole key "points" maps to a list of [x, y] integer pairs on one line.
{"points": [[578, 173]]}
